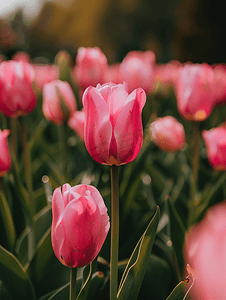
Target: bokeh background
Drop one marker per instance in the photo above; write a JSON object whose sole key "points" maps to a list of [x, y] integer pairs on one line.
{"points": [[186, 30]]}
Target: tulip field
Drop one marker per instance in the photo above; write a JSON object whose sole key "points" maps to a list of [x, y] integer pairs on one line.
{"points": [[112, 178]]}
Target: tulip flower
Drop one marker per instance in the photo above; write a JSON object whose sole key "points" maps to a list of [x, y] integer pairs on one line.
{"points": [[137, 70], [205, 246], [5, 160], [80, 224], [168, 134], [91, 67], [22, 56], [44, 74], [59, 101], [113, 74], [165, 77], [219, 80], [113, 125], [215, 141], [17, 97], [194, 90], [77, 123]]}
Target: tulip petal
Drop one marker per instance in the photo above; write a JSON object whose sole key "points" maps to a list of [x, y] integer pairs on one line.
{"points": [[128, 129], [98, 128], [82, 224]]}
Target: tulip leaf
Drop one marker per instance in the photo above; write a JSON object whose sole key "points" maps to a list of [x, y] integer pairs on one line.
{"points": [[62, 293], [21, 192], [87, 275], [181, 291], [7, 221], [46, 272], [14, 278], [136, 267], [96, 284], [177, 232], [42, 222]]}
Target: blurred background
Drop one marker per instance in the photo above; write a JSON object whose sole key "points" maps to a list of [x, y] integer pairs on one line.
{"points": [[186, 30]]}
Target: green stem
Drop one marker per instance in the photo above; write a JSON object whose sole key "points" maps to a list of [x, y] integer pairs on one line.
{"points": [[73, 275], [114, 232], [26, 155], [13, 128], [195, 168], [63, 150]]}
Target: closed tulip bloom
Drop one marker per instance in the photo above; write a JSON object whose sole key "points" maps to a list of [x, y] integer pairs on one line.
{"points": [[113, 125], [168, 134], [5, 160], [59, 102], [215, 141], [91, 67], [205, 247], [80, 224], [44, 73], [17, 97], [137, 70], [194, 90], [77, 123], [219, 84], [113, 74]]}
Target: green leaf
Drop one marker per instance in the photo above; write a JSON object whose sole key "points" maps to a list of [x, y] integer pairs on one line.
{"points": [[62, 293], [97, 282], [177, 232], [87, 276], [42, 222], [181, 291], [14, 278], [46, 272], [7, 221], [136, 267]]}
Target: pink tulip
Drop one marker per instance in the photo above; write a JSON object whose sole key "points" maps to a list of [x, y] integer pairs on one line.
{"points": [[215, 141], [113, 74], [5, 160], [168, 134], [91, 67], [137, 70], [165, 77], [80, 224], [22, 56], [77, 123], [59, 102], [17, 97], [219, 83], [113, 126], [205, 247], [44, 74], [194, 90]]}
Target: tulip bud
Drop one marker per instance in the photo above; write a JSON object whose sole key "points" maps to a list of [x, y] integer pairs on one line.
{"points": [[113, 125], [59, 101], [44, 74], [168, 134], [137, 70], [80, 224], [17, 97], [77, 123], [215, 141], [219, 84], [204, 249], [5, 160], [91, 67], [64, 64], [194, 90], [22, 56]]}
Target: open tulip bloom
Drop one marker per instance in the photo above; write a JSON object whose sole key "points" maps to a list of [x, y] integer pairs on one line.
{"points": [[113, 127]]}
